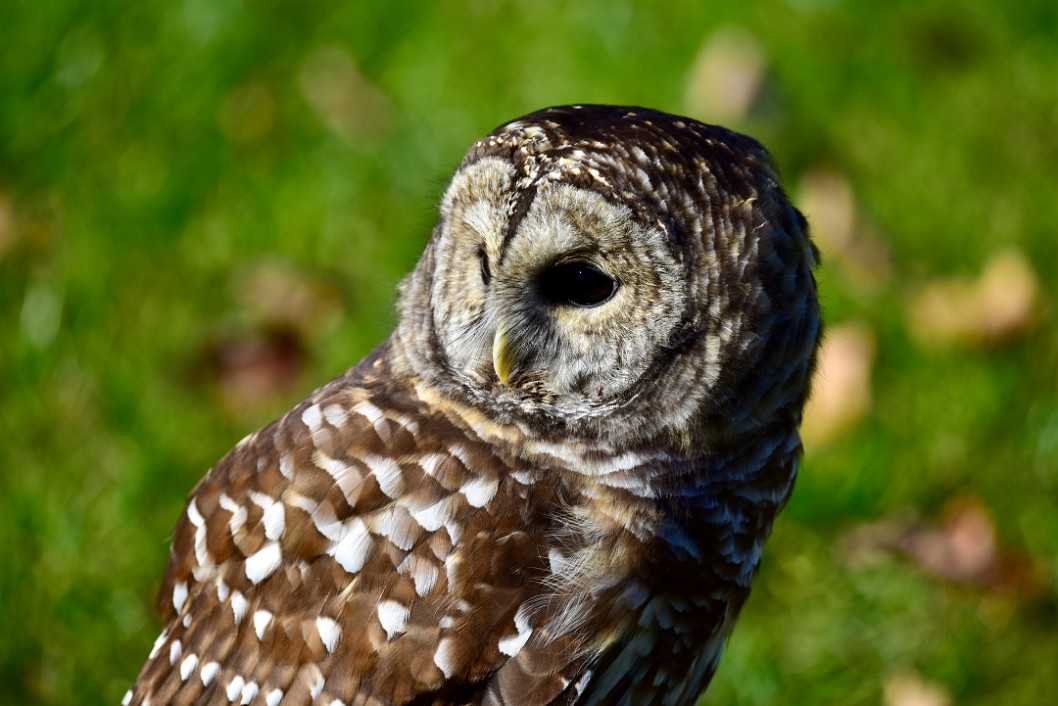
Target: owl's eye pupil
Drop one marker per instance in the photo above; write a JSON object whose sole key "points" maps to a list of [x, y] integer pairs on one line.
{"points": [[483, 261], [577, 283]]}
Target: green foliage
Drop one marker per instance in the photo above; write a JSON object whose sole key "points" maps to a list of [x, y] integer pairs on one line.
{"points": [[162, 165]]}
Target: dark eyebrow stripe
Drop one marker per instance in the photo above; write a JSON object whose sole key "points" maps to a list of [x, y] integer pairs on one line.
{"points": [[521, 207]]}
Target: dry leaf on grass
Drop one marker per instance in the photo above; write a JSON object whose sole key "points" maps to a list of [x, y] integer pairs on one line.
{"points": [[841, 389], [910, 689], [726, 78], [1000, 304], [961, 548], [259, 359], [257, 371], [827, 200], [341, 96], [277, 296]]}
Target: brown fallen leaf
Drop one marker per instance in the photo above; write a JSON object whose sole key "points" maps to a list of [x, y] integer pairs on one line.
{"points": [[341, 96], [961, 548], [841, 390], [254, 372], [910, 689], [258, 360], [1000, 304], [275, 296], [828, 202], [726, 77]]}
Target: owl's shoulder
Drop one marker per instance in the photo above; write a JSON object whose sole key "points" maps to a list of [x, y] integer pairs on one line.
{"points": [[369, 530]]}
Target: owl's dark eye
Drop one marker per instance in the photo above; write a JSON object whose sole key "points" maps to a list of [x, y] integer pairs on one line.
{"points": [[483, 261], [577, 283]]}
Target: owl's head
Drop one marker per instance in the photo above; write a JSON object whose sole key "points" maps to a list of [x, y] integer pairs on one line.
{"points": [[618, 273]]}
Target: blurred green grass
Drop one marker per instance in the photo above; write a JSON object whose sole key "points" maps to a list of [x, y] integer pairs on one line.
{"points": [[163, 165]]}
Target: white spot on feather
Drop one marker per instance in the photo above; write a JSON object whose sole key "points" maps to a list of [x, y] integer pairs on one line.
{"points": [[238, 512], [377, 418], [432, 517], [327, 523], [371, 412], [632, 482], [430, 462], [194, 515], [443, 657], [274, 697], [479, 491], [521, 477], [249, 692], [273, 514], [557, 560], [354, 549], [201, 549], [238, 606], [312, 417], [397, 526], [175, 651], [261, 619], [179, 595], [317, 684], [234, 689], [387, 473], [286, 467], [335, 469], [335, 415], [510, 646], [275, 521], [406, 422], [264, 562], [393, 616], [425, 576], [127, 698], [455, 531], [521, 618], [209, 672], [329, 632], [187, 667]]}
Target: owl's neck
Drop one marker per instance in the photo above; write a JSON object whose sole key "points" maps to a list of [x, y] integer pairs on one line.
{"points": [[667, 540], [673, 570]]}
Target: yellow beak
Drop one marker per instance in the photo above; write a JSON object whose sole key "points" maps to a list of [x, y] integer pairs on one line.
{"points": [[504, 357]]}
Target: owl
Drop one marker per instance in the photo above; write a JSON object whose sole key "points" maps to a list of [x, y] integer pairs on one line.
{"points": [[552, 482]]}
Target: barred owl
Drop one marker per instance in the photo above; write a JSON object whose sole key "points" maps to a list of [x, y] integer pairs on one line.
{"points": [[551, 483]]}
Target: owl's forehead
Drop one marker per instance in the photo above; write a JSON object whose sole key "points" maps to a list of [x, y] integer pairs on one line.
{"points": [[605, 157], [659, 164]]}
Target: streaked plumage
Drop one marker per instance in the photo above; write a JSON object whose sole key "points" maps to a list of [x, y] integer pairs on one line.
{"points": [[552, 483]]}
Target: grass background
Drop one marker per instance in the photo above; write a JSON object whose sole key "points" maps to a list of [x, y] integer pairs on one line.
{"points": [[205, 206]]}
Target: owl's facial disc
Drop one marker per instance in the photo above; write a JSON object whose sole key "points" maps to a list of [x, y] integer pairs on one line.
{"points": [[557, 298]]}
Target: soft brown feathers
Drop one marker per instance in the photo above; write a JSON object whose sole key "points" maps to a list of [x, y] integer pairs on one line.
{"points": [[552, 483]]}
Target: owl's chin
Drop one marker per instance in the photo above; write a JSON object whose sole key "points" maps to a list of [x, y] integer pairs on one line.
{"points": [[533, 406]]}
